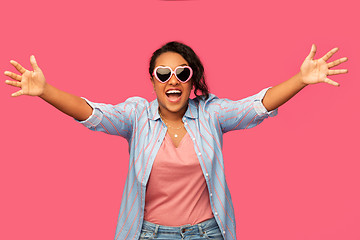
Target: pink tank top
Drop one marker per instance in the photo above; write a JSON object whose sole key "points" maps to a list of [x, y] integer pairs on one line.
{"points": [[176, 192]]}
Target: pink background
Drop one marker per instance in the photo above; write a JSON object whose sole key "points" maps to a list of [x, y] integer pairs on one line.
{"points": [[298, 177]]}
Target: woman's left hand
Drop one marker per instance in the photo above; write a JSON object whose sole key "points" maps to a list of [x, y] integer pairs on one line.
{"points": [[316, 71]]}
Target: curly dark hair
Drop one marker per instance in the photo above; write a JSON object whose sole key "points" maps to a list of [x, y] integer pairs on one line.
{"points": [[190, 56]]}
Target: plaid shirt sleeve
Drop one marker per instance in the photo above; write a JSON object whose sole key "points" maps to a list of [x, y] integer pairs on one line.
{"points": [[241, 114], [112, 119]]}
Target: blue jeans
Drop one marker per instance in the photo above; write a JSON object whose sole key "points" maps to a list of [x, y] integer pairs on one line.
{"points": [[208, 229]]}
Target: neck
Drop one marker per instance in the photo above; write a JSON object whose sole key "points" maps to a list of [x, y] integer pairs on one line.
{"points": [[172, 116]]}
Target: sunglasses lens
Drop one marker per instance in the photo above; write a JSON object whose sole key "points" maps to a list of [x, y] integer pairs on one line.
{"points": [[183, 74], [163, 74]]}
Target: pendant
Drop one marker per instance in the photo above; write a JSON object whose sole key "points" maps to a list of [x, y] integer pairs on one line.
{"points": [[175, 135]]}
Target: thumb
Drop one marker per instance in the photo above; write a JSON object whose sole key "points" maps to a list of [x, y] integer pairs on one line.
{"points": [[33, 63], [312, 53]]}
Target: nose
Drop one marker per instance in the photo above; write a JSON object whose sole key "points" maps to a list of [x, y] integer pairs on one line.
{"points": [[173, 80]]}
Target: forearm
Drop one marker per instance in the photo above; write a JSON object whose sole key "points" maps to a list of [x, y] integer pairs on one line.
{"points": [[281, 93], [69, 104]]}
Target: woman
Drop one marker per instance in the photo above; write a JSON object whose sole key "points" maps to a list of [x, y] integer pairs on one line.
{"points": [[176, 187]]}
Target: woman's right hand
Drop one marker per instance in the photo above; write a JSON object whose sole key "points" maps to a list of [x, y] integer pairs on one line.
{"points": [[32, 83]]}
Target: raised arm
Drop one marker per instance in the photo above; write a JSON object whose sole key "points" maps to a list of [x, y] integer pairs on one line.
{"points": [[33, 83], [311, 72]]}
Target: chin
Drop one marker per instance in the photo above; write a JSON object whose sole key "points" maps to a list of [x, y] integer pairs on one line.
{"points": [[175, 108]]}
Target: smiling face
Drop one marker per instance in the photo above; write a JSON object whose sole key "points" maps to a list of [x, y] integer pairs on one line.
{"points": [[172, 103]]}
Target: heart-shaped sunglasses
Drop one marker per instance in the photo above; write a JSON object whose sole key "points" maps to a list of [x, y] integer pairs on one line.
{"points": [[164, 73]]}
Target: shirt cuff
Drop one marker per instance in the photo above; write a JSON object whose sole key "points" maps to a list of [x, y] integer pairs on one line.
{"points": [[259, 107], [95, 118]]}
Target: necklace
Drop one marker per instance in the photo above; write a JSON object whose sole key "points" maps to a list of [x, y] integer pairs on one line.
{"points": [[175, 135]]}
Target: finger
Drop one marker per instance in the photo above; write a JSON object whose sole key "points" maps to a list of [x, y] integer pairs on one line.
{"points": [[18, 66], [329, 81], [33, 62], [312, 52], [18, 93], [337, 62], [337, 71], [13, 75], [13, 83], [329, 54]]}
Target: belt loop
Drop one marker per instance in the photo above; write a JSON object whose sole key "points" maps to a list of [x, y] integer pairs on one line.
{"points": [[200, 230], [182, 230], [156, 230]]}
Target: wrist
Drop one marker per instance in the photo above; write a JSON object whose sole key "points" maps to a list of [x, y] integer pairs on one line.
{"points": [[45, 91], [300, 79]]}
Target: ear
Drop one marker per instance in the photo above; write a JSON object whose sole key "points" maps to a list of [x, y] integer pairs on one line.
{"points": [[152, 81]]}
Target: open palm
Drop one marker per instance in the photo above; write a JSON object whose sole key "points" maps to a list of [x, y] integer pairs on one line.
{"points": [[31, 82], [316, 71]]}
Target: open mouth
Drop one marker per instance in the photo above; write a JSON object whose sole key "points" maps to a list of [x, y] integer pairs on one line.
{"points": [[173, 95]]}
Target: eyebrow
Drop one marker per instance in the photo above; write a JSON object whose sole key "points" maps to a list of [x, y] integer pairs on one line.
{"points": [[184, 64]]}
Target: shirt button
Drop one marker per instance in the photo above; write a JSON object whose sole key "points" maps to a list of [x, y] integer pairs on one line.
{"points": [[193, 139], [206, 174], [199, 154], [210, 194], [185, 123], [215, 213], [224, 232]]}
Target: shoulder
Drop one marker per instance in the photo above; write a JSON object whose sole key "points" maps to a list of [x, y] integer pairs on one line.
{"points": [[142, 107], [210, 102], [137, 101], [203, 101], [209, 105], [133, 105]]}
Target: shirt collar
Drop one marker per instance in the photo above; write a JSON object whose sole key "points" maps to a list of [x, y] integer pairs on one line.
{"points": [[191, 111]]}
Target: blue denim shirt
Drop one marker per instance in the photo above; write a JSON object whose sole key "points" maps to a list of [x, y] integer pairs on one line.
{"points": [[206, 121]]}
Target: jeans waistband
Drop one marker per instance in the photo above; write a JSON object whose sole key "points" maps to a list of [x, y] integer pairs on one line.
{"points": [[202, 226]]}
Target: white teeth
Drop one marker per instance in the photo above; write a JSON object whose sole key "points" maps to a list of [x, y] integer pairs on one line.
{"points": [[173, 91]]}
